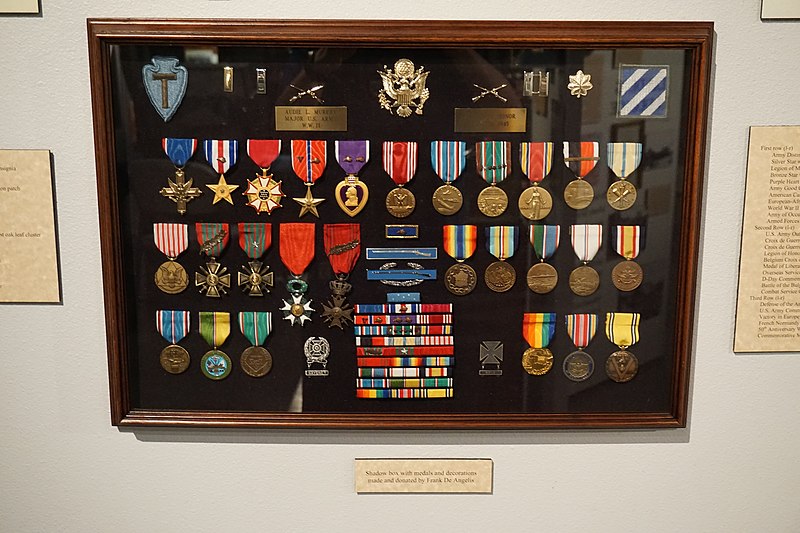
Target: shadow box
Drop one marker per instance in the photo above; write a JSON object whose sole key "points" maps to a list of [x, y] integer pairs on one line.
{"points": [[399, 224]]}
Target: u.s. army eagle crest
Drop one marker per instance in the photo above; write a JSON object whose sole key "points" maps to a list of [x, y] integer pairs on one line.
{"points": [[402, 87]]}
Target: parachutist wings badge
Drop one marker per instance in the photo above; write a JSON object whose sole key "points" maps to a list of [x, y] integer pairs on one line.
{"points": [[402, 87]]}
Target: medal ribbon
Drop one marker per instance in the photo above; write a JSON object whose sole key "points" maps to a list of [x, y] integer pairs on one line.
{"points": [[400, 161], [352, 155], [256, 326], [171, 239], [581, 157], [502, 241], [492, 159], [448, 159], [545, 239], [263, 151], [581, 328], [460, 241], [309, 159], [206, 231], [215, 327], [536, 160], [342, 246], [255, 238], [623, 328], [538, 328], [624, 158], [296, 245], [627, 240], [586, 240], [179, 151], [173, 325], [221, 154]]}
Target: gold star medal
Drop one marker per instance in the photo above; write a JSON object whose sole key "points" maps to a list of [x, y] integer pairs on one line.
{"points": [[222, 155]]}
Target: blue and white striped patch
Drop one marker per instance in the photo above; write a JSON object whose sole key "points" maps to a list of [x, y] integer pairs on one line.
{"points": [[643, 91]]}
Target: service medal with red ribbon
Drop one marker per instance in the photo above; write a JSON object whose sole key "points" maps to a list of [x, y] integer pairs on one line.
{"points": [[343, 247], [297, 251], [213, 238], [263, 193], [536, 160], [580, 158], [627, 242], [255, 239], [400, 162], [308, 161], [352, 194], [579, 365]]}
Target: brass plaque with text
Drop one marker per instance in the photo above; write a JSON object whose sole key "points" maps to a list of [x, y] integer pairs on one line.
{"points": [[310, 118], [490, 120]]}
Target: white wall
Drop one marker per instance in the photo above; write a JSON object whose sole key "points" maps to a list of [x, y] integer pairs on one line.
{"points": [[63, 467]]}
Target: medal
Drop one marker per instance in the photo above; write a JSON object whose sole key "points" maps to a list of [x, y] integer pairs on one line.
{"points": [[400, 162], [536, 160], [586, 241], [215, 328], [580, 158], [448, 159], [263, 193], [222, 155], [459, 243], [308, 161], [173, 326], [255, 239], [538, 330], [171, 240], [352, 194], [213, 238], [256, 326], [542, 277], [297, 251], [623, 160], [180, 191], [342, 246], [622, 329], [579, 365], [501, 242], [627, 241], [493, 161]]}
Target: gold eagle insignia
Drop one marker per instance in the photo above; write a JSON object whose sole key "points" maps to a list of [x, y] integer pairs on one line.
{"points": [[402, 87]]}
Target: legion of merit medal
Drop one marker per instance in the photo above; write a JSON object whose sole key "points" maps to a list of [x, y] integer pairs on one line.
{"points": [[263, 193], [256, 326], [215, 328], [402, 87], [542, 277], [400, 162], [491, 357], [297, 252], [165, 82], [586, 241], [579, 365], [180, 190], [536, 160], [460, 242], [580, 158], [493, 159], [627, 241], [538, 330], [501, 242], [171, 240], [221, 155], [622, 329], [308, 161], [316, 350], [213, 280], [255, 239], [623, 160], [352, 194], [448, 159], [173, 326], [343, 247]]}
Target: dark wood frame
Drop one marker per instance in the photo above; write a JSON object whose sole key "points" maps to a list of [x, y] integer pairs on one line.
{"points": [[103, 33]]}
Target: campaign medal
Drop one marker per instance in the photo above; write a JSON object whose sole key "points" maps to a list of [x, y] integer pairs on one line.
{"points": [[215, 328], [343, 247], [213, 279], [627, 241], [297, 251], [542, 277], [255, 239], [579, 365], [460, 242], [256, 326], [586, 241], [580, 158], [165, 82], [538, 330], [501, 242], [400, 162], [180, 190], [171, 240], [536, 160], [308, 161], [493, 160], [352, 194], [222, 155], [622, 329], [263, 193], [623, 160], [173, 326], [448, 159]]}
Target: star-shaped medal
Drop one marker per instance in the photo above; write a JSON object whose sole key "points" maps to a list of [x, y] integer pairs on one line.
{"points": [[580, 84], [337, 312], [299, 310], [308, 204], [264, 193], [222, 191], [213, 281], [255, 279]]}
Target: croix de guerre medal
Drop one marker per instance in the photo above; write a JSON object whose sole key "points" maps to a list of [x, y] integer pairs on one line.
{"points": [[538, 329], [622, 329], [586, 241], [171, 240], [221, 154], [493, 159], [627, 242], [173, 326], [542, 277], [213, 279], [579, 365], [255, 239], [501, 242], [400, 162], [180, 190], [460, 242], [351, 193], [256, 326], [580, 158], [263, 193], [448, 159], [215, 328], [297, 251], [623, 160], [536, 160], [309, 159], [343, 247]]}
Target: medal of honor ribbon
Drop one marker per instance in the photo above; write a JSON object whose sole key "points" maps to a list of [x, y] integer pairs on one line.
{"points": [[448, 159], [627, 242], [622, 329], [352, 194], [173, 326], [536, 160], [214, 328], [538, 330]]}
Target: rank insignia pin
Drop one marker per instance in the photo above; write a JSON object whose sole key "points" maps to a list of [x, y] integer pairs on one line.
{"points": [[536, 83], [165, 82]]}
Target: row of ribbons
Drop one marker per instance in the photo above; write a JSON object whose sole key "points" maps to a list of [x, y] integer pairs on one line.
{"points": [[622, 329]]}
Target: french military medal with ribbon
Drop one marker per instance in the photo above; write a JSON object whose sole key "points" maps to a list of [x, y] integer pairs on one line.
{"points": [[309, 159], [213, 279], [173, 326], [623, 160], [622, 329], [628, 241], [586, 242], [579, 365], [502, 243], [180, 190], [460, 242], [255, 239], [297, 252], [538, 330], [448, 159], [580, 158], [222, 155], [215, 327], [171, 240], [256, 326], [263, 193], [400, 162], [351, 193], [536, 159], [493, 160], [542, 277], [343, 247]]}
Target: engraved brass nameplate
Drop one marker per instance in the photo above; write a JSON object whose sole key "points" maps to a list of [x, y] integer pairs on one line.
{"points": [[490, 120], [310, 118]]}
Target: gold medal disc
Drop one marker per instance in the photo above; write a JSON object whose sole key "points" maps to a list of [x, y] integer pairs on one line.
{"points": [[174, 359], [400, 202], [492, 201], [500, 276], [171, 278], [578, 194], [256, 361], [537, 361], [578, 366], [621, 195], [460, 279], [447, 200], [622, 366], [584, 280], [535, 203], [627, 275], [542, 278]]}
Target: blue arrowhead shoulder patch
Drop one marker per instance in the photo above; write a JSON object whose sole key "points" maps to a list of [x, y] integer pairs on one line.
{"points": [[643, 91], [165, 82]]}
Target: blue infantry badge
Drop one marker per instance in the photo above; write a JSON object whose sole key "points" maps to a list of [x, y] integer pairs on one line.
{"points": [[165, 82], [643, 91]]}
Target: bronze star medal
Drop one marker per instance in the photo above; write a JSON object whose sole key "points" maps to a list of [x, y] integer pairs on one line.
{"points": [[308, 204]]}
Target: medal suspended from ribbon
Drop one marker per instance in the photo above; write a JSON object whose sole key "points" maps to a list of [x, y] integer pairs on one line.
{"points": [[256, 326], [622, 329], [448, 159], [352, 194], [180, 190], [579, 365], [297, 249], [460, 242], [538, 330], [213, 280], [580, 158], [215, 328], [309, 159], [586, 241], [627, 242], [263, 193], [343, 248], [255, 238], [173, 326], [536, 160], [502, 243], [222, 155], [171, 240], [542, 277], [493, 160], [623, 160], [400, 162]]}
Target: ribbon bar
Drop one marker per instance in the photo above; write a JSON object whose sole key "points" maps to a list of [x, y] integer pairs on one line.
{"points": [[403, 351], [404, 319], [403, 308], [429, 340], [404, 383], [404, 393], [404, 330], [405, 361], [402, 372]]}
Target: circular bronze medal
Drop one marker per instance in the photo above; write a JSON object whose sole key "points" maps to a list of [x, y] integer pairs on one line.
{"points": [[460, 279], [174, 359], [492, 201], [542, 278], [400, 202], [171, 278], [216, 365], [578, 194], [621, 195], [500, 276], [447, 200], [627, 275], [537, 361], [578, 366], [256, 361], [622, 366], [535, 203], [584, 280]]}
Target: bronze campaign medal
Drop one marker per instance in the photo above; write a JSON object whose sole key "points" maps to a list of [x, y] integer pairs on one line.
{"points": [[447, 200], [535, 203], [400, 202], [500, 276], [627, 275], [171, 277], [584, 280], [492, 201], [537, 361], [256, 361], [174, 359], [460, 279], [621, 195], [578, 194], [622, 366], [542, 278], [578, 366]]}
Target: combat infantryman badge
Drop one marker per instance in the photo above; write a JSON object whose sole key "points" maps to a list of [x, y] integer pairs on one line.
{"points": [[402, 87], [491, 356], [165, 82]]}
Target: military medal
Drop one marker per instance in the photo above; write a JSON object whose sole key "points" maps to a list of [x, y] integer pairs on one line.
{"points": [[542, 277], [580, 158], [402, 86], [622, 329], [213, 279], [173, 326], [180, 191], [586, 241], [215, 328], [623, 160], [400, 162], [536, 160], [579, 365], [308, 161], [501, 242], [171, 240], [448, 159], [222, 155], [256, 327], [297, 251], [538, 330], [165, 82], [255, 239], [343, 247], [493, 160], [627, 242], [263, 193], [352, 194], [460, 243]]}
